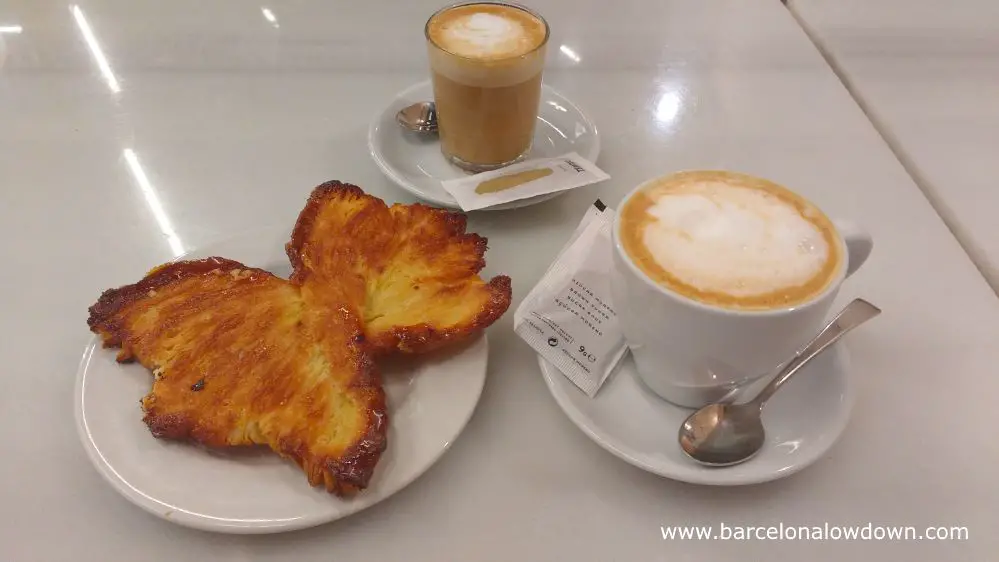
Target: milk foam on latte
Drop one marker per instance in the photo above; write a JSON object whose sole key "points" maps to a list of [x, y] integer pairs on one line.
{"points": [[484, 31], [731, 240], [486, 61], [737, 241]]}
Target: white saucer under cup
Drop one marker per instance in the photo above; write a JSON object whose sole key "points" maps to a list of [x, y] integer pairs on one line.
{"points": [[802, 421], [430, 400], [417, 165]]}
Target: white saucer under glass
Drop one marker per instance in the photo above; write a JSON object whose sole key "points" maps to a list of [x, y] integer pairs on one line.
{"points": [[415, 163]]}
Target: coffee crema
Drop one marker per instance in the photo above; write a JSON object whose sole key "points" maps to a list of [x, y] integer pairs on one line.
{"points": [[730, 240], [486, 62], [486, 31]]}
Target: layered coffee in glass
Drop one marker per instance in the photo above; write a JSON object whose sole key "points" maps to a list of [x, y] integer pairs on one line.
{"points": [[486, 61]]}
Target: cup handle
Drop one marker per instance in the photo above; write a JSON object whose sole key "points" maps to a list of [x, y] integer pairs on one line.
{"points": [[858, 244]]}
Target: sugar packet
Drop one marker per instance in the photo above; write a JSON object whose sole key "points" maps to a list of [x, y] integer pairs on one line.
{"points": [[523, 180], [568, 317]]}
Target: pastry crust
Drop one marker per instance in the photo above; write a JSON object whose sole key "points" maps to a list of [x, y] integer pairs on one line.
{"points": [[239, 358], [412, 270]]}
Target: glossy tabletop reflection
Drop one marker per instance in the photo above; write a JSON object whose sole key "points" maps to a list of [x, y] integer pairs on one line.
{"points": [[132, 131], [928, 74]]}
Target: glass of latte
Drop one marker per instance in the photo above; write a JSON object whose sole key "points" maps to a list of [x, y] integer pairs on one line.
{"points": [[486, 60], [720, 276]]}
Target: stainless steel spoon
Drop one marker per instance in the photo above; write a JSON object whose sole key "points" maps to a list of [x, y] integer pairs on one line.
{"points": [[728, 434], [420, 118]]}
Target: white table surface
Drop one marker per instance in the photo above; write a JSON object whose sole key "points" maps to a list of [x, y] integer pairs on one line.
{"points": [[928, 74], [235, 119]]}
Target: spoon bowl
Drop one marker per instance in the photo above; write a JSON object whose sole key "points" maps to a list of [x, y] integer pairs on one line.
{"points": [[420, 118], [729, 434], [723, 434]]}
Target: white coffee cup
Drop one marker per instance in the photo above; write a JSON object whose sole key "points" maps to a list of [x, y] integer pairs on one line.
{"points": [[692, 353]]}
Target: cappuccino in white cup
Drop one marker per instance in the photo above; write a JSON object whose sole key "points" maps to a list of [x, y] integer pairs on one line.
{"points": [[720, 276]]}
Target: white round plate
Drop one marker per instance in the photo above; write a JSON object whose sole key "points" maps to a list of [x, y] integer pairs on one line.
{"points": [[430, 400], [416, 164], [803, 421]]}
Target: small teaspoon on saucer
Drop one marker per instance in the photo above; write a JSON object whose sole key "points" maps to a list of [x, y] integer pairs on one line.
{"points": [[419, 118], [728, 434]]}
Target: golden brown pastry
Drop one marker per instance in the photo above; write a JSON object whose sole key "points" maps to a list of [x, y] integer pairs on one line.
{"points": [[241, 357], [411, 270]]}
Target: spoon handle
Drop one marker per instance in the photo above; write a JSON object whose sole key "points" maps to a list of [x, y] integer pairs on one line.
{"points": [[853, 315]]}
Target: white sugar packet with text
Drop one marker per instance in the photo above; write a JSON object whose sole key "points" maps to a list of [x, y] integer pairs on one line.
{"points": [[568, 317]]}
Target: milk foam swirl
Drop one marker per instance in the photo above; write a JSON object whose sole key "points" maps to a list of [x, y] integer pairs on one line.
{"points": [[488, 33], [728, 239]]}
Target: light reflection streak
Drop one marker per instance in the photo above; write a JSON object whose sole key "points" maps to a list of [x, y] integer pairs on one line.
{"points": [[269, 16], [11, 29], [95, 48], [153, 201], [668, 107], [569, 53], [549, 123]]}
